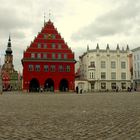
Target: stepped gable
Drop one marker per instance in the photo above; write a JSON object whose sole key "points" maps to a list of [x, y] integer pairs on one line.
{"points": [[48, 63], [47, 41]]}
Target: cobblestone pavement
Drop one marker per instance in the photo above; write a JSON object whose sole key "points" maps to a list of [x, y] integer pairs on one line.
{"points": [[96, 116]]}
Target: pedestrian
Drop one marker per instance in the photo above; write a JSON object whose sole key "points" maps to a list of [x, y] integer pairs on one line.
{"points": [[77, 89], [117, 89], [81, 90]]}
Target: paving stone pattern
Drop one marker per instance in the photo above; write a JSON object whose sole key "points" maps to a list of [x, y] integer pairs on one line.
{"points": [[95, 116]]}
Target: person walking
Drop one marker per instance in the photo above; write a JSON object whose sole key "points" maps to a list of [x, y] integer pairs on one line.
{"points": [[77, 89]]}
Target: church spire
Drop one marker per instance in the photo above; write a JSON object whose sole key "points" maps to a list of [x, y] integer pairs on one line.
{"points": [[9, 50]]}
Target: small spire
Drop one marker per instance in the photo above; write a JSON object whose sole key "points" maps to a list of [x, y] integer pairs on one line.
{"points": [[9, 50], [127, 48], [44, 18], [9, 41], [9, 38], [97, 46], [87, 47], [118, 47], [107, 47]]}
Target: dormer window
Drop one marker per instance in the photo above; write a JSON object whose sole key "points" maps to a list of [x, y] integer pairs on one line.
{"points": [[53, 46], [53, 55], [39, 45], [45, 46], [45, 36], [39, 55], [59, 56], [44, 55], [59, 46], [65, 56], [53, 36], [32, 55]]}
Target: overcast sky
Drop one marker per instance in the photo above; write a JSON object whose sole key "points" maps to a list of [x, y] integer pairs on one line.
{"points": [[80, 23]]}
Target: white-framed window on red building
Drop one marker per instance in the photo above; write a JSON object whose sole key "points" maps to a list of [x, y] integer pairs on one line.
{"points": [[67, 68], [59, 46], [30, 67], [53, 55], [45, 36], [44, 55], [32, 55], [39, 45], [45, 46], [53, 36], [39, 55], [59, 55], [65, 56], [46, 68], [52, 68], [53, 46], [61, 69], [37, 67]]}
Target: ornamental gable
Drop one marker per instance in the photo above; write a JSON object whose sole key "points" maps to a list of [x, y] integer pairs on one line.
{"points": [[48, 44]]}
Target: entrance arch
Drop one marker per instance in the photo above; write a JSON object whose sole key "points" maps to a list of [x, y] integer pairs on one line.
{"points": [[63, 86], [49, 85], [34, 85]]}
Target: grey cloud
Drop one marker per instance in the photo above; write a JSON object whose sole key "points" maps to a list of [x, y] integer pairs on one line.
{"points": [[18, 35], [11, 20], [118, 21]]}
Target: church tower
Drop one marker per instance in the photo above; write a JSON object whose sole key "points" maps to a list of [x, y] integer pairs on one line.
{"points": [[8, 62], [9, 74]]}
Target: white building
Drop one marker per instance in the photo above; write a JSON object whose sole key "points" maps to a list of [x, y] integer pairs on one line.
{"points": [[136, 68], [104, 70]]}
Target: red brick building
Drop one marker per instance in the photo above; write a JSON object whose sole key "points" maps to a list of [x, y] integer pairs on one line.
{"points": [[48, 63]]}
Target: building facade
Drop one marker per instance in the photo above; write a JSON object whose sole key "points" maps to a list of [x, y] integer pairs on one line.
{"points": [[48, 63], [136, 68], [10, 79], [104, 70]]}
